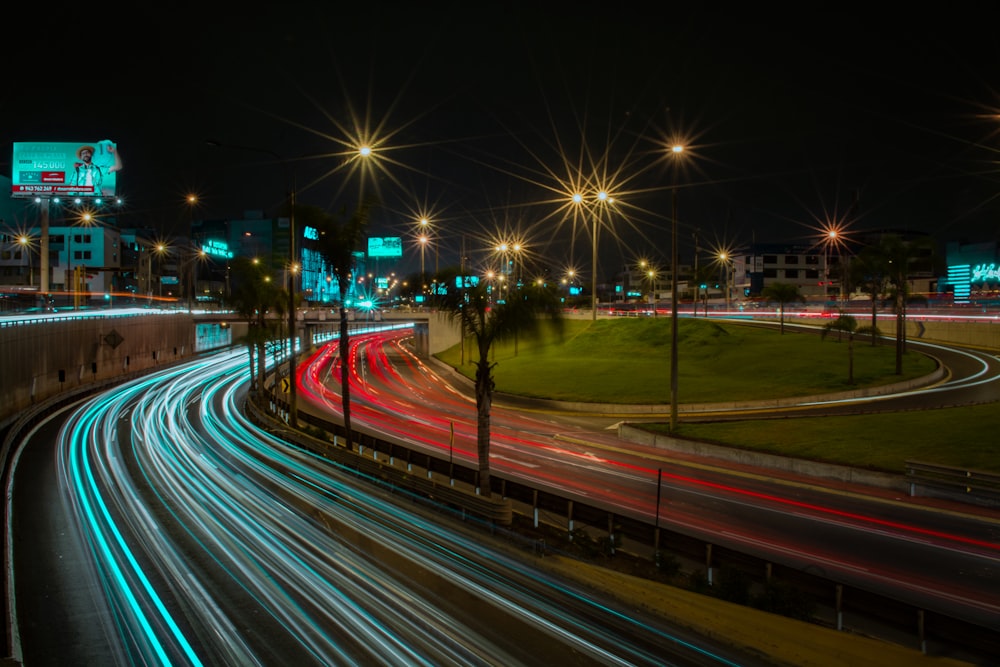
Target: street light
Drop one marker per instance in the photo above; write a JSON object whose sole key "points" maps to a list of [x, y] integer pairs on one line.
{"points": [[651, 274], [424, 239], [490, 276], [518, 262], [831, 239], [676, 150], [423, 246], [25, 242], [191, 289], [602, 197], [86, 219], [724, 259], [198, 256], [160, 249]]}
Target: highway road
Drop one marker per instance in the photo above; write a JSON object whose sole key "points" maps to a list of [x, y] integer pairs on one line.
{"points": [[154, 524], [948, 562]]}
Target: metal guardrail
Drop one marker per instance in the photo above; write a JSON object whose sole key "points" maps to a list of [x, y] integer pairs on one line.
{"points": [[375, 458], [974, 486]]}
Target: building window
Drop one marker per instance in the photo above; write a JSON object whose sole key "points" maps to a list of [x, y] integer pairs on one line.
{"points": [[791, 259], [792, 273], [770, 259], [770, 273], [812, 260]]}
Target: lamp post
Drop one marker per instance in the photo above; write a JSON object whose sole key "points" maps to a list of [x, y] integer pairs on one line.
{"points": [[424, 240], [503, 249], [159, 249], [192, 288], [831, 239], [725, 260], [651, 274], [601, 197], [86, 220], [70, 276], [149, 275], [423, 246], [25, 242], [677, 150]]}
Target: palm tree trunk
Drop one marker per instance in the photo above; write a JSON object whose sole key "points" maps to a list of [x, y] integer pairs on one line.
{"points": [[262, 349], [850, 358], [345, 371], [253, 375], [874, 319], [900, 332], [484, 400]]}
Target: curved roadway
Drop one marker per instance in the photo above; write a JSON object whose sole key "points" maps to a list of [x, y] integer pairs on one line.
{"points": [[163, 528], [946, 562]]}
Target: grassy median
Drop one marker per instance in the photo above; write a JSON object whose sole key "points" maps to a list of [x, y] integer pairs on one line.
{"points": [[627, 361]]}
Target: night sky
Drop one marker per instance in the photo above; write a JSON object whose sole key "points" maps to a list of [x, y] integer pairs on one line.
{"points": [[484, 116]]}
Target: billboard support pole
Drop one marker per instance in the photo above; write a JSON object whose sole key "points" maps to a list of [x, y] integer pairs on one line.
{"points": [[43, 258]]}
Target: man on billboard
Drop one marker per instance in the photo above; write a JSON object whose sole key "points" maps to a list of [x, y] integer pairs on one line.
{"points": [[90, 174]]}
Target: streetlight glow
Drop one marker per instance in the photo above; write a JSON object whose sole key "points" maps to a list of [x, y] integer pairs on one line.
{"points": [[600, 197]]}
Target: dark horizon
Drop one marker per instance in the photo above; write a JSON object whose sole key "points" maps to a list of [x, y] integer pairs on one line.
{"points": [[486, 119]]}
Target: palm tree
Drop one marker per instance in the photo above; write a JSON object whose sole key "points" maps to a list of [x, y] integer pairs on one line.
{"points": [[339, 239], [486, 322], [255, 296], [900, 257], [783, 293], [870, 271], [846, 324]]}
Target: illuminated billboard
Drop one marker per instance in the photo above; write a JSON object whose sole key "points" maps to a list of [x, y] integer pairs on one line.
{"points": [[385, 246], [79, 169]]}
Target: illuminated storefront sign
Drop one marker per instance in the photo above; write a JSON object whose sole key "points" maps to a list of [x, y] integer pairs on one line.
{"points": [[985, 273], [81, 169]]}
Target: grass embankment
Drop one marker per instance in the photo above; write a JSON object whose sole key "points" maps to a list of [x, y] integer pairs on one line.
{"points": [[627, 361]]}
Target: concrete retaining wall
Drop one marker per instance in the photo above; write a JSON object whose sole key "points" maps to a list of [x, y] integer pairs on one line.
{"points": [[982, 335], [44, 358], [761, 460]]}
